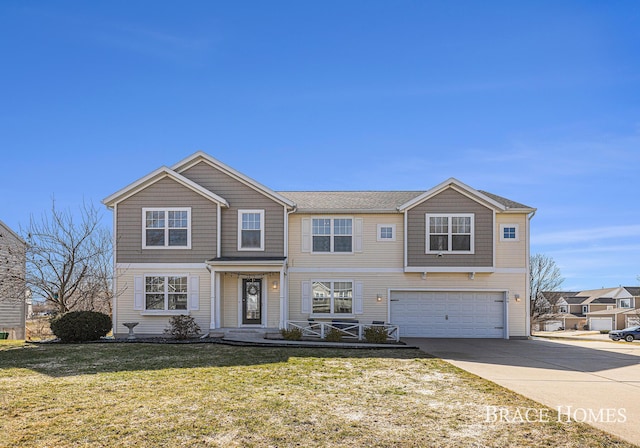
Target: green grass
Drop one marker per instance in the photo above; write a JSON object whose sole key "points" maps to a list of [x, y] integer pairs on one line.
{"points": [[151, 395]]}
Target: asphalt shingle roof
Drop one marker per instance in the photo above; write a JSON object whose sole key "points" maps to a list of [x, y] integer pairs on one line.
{"points": [[381, 201]]}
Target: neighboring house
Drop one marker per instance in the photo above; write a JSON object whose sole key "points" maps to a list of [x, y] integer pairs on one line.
{"points": [[12, 283], [597, 309], [204, 239]]}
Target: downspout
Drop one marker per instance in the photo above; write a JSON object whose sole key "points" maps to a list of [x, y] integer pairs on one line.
{"points": [[284, 282]]}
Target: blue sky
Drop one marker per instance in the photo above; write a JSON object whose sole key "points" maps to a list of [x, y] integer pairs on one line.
{"points": [[535, 101]]}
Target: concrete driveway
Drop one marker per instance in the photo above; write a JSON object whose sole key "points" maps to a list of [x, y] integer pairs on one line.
{"points": [[597, 382]]}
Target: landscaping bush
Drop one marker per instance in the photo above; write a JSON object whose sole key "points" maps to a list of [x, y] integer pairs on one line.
{"points": [[333, 335], [80, 326], [182, 327], [604, 331], [375, 334], [295, 334]]}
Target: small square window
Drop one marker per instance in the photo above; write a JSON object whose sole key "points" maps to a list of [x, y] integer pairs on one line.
{"points": [[509, 232], [386, 232]]}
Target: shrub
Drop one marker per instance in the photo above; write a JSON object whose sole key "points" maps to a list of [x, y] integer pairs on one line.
{"points": [[182, 327], [375, 334], [80, 326], [295, 334], [604, 331], [333, 335]]}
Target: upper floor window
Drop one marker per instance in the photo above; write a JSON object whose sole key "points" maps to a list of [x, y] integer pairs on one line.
{"points": [[165, 293], [562, 308], [250, 229], [332, 234], [449, 233], [585, 309], [509, 232], [332, 297], [166, 228], [386, 232], [625, 303]]}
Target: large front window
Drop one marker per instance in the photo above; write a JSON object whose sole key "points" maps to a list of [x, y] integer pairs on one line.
{"points": [[449, 233], [164, 293], [625, 303], [250, 229], [332, 297], [166, 228], [332, 234]]}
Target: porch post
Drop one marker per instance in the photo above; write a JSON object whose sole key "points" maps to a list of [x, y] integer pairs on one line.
{"points": [[212, 323], [283, 308]]}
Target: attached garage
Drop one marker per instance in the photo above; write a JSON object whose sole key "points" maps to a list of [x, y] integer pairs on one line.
{"points": [[552, 325], [449, 314], [632, 321], [601, 323]]}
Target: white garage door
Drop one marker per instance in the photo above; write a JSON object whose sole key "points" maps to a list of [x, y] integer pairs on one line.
{"points": [[433, 314], [633, 321], [600, 323], [552, 325]]}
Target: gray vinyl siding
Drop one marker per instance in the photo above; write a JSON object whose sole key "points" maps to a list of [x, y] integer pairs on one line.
{"points": [[241, 197], [166, 193], [450, 201], [12, 284]]}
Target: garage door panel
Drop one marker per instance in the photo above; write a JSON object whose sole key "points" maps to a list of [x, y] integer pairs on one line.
{"points": [[448, 314]]}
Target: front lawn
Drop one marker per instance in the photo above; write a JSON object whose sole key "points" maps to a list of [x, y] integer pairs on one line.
{"points": [[215, 395]]}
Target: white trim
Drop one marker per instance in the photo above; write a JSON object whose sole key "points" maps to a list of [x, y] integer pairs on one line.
{"points": [[332, 235], [354, 270], [218, 322], [166, 228], [379, 229], [166, 310], [180, 266], [114, 299], [213, 298], [458, 186], [263, 300], [450, 233], [242, 212], [333, 314], [219, 231], [155, 176], [406, 242], [475, 269], [199, 156], [517, 232]]}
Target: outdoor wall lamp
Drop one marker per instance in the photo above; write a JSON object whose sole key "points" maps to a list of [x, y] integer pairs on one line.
{"points": [[517, 297], [275, 284], [379, 298], [472, 275]]}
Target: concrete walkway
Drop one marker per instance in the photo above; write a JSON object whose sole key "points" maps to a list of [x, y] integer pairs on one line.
{"points": [[574, 377]]}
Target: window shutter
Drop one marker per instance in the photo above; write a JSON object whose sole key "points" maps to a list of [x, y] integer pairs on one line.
{"points": [[357, 300], [138, 293], [194, 293], [357, 234], [306, 235], [306, 298]]}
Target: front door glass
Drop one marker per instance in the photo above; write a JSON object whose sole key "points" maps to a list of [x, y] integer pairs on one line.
{"points": [[252, 301]]}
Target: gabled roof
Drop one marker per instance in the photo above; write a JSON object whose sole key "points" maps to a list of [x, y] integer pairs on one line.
{"points": [[202, 156], [349, 201], [10, 231], [155, 176], [490, 200], [557, 295], [575, 300], [604, 300], [633, 290]]}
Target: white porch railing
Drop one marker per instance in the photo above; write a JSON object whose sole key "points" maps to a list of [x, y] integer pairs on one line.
{"points": [[348, 330]]}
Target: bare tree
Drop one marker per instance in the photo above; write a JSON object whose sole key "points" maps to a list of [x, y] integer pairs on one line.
{"points": [[69, 260], [544, 275]]}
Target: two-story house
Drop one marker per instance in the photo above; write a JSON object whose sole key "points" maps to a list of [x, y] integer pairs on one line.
{"points": [[202, 238], [12, 283]]}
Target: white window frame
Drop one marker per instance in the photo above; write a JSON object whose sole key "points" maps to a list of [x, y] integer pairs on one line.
{"points": [[262, 228], [166, 210], [507, 226], [332, 234], [332, 312], [165, 310], [585, 309], [623, 300], [449, 233], [383, 226], [563, 309]]}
